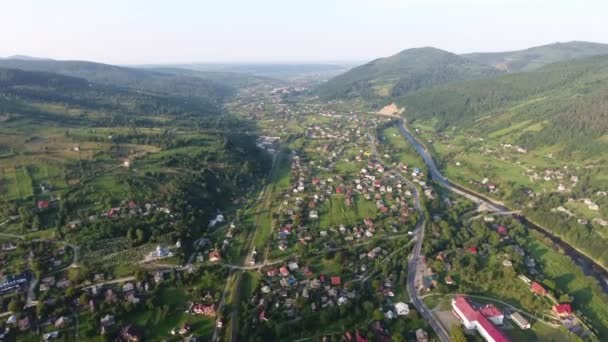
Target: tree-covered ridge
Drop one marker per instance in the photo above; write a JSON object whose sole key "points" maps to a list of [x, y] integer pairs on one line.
{"points": [[402, 73], [568, 99], [538, 56], [21, 90], [206, 91]]}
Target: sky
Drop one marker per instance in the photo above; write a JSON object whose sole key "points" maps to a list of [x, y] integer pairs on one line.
{"points": [[188, 31]]}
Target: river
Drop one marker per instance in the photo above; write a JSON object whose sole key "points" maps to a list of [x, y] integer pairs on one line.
{"points": [[589, 266]]}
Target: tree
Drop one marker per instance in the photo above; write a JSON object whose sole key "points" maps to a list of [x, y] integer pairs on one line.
{"points": [[15, 305], [457, 335], [565, 298], [378, 315]]}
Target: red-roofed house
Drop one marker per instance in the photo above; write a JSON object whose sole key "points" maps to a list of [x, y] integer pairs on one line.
{"points": [[472, 250], [113, 212], [215, 256], [335, 281], [538, 288], [284, 271], [472, 319], [205, 310], [562, 310], [502, 230], [43, 204]]}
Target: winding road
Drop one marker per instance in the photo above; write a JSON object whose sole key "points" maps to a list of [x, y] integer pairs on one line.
{"points": [[416, 260]]}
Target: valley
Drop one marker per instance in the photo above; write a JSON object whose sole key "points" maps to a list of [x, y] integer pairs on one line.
{"points": [[426, 196]]}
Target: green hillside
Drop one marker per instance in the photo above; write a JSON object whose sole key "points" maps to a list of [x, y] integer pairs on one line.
{"points": [[568, 98], [34, 92], [536, 57], [402, 73], [205, 91]]}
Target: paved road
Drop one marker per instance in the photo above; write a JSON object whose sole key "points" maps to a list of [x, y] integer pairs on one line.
{"points": [[416, 257], [113, 281]]}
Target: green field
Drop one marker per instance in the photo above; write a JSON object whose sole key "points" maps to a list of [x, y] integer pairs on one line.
{"points": [[588, 296]]}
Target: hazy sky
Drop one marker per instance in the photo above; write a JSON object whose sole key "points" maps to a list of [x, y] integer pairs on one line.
{"points": [[162, 31]]}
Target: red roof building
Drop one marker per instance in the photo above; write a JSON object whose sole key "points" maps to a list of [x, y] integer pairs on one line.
{"points": [[473, 319], [43, 204], [493, 314], [336, 281], [205, 310], [215, 256], [562, 310], [538, 288], [502, 230], [473, 250]]}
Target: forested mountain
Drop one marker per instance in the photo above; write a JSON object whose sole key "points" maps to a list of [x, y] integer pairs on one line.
{"points": [[402, 73], [567, 100], [207, 92], [36, 93], [536, 57]]}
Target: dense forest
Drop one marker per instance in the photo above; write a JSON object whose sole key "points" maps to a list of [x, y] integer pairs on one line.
{"points": [[569, 98], [204, 91], [21, 89]]}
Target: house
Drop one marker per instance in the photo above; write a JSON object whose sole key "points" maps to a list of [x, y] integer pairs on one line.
{"points": [[128, 287], [502, 230], [113, 212], [472, 250], [562, 310], [130, 334], [335, 281], [422, 336], [24, 324], [313, 214], [520, 320], [107, 320], [50, 336], [215, 256], [402, 309], [448, 280], [62, 322], [538, 289], [43, 204], [293, 266], [284, 271], [205, 310], [474, 320]]}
